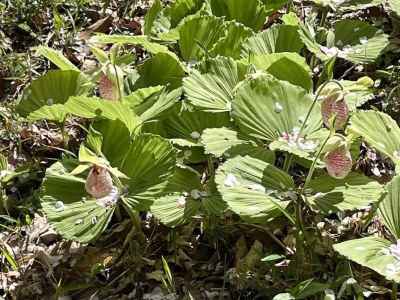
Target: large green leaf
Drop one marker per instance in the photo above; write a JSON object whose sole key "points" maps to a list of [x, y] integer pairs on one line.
{"points": [[217, 141], [389, 208], [140, 40], [55, 87], [91, 108], [198, 35], [142, 95], [151, 16], [148, 162], [183, 201], [333, 195], [55, 112], [186, 127], [213, 91], [285, 66], [57, 58], [230, 44], [182, 8], [357, 93], [161, 69], [67, 209], [266, 109], [251, 13], [254, 189], [379, 130], [361, 42], [157, 108], [278, 38], [227, 142], [374, 253]]}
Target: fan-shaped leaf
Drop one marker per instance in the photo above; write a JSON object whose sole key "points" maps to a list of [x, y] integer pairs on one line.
{"points": [[213, 91], [148, 162], [251, 13], [379, 130], [278, 38], [183, 201], [198, 35], [64, 202], [372, 252], [361, 42], [54, 113], [253, 188], [231, 43], [353, 192], [286, 66], [57, 58], [389, 208], [55, 87], [161, 69], [140, 40], [267, 109], [90, 107]]}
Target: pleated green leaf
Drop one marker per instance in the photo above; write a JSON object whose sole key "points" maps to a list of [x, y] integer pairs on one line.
{"points": [[198, 35], [54, 113], [142, 95], [217, 141], [214, 89], [91, 108], [374, 253], [227, 142], [286, 66], [389, 208], [265, 108], [57, 58], [149, 162], [156, 108], [140, 40], [354, 192], [161, 69], [379, 130], [189, 125], [55, 87], [230, 44], [251, 13], [183, 200], [360, 42], [67, 209], [278, 38], [182, 8], [255, 190]]}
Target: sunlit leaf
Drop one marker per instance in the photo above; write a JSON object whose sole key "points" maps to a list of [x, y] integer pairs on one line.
{"points": [[372, 252]]}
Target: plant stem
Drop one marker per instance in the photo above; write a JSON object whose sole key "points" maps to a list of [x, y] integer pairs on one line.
{"points": [[312, 168], [299, 239], [394, 291]]}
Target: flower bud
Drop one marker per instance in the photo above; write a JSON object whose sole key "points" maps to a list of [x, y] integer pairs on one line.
{"points": [[334, 105], [106, 88], [99, 182], [338, 162]]}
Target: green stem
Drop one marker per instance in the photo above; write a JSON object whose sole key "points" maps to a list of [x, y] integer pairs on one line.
{"points": [[323, 17], [299, 239], [312, 168], [315, 102], [394, 291]]}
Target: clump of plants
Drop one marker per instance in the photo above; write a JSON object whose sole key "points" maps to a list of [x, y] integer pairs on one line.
{"points": [[225, 116]]}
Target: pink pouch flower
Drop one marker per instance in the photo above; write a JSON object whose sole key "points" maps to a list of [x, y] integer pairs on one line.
{"points": [[338, 162], [99, 182], [334, 104]]}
